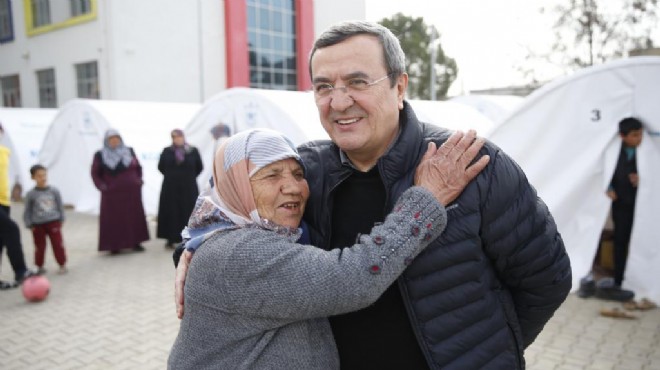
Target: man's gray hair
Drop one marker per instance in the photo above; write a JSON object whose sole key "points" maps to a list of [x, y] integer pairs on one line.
{"points": [[395, 59]]}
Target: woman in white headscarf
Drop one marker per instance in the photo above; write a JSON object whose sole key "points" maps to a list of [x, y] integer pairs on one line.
{"points": [[257, 299], [117, 174]]}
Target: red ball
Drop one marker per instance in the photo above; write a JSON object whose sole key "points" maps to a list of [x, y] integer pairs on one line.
{"points": [[36, 288]]}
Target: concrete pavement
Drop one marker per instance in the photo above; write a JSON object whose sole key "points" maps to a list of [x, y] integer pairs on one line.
{"points": [[117, 312]]}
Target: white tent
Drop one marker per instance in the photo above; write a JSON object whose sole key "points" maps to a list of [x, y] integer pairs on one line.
{"points": [[565, 137], [24, 129], [450, 115], [293, 113], [77, 133], [495, 107]]}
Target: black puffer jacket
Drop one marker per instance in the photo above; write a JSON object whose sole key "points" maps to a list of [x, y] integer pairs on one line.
{"points": [[483, 291]]}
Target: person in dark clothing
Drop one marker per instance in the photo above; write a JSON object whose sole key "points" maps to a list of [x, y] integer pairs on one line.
{"points": [[483, 290], [117, 174], [623, 192], [10, 235], [11, 238], [180, 164]]}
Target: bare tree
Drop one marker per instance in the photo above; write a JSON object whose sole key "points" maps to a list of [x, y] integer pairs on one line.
{"points": [[590, 32]]}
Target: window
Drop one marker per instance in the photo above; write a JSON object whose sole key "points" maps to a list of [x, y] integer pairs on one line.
{"points": [[80, 7], [40, 13], [272, 44], [47, 92], [11, 91], [43, 16], [88, 80], [6, 27]]}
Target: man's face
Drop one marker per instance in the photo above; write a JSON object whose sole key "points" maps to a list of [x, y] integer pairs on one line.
{"points": [[633, 138], [361, 123]]}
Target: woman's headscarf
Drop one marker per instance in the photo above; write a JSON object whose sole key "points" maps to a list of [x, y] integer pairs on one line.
{"points": [[112, 156], [228, 203], [180, 151]]}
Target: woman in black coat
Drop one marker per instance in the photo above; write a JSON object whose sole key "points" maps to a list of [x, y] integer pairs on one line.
{"points": [[180, 164]]}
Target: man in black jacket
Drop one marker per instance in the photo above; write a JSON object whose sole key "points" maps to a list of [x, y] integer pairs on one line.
{"points": [[482, 291]]}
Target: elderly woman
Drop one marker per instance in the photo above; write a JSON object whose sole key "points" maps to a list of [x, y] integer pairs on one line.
{"points": [[117, 174], [257, 299], [180, 165]]}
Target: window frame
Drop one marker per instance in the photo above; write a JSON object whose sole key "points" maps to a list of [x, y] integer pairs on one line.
{"points": [[32, 30], [87, 82], [13, 91], [268, 67], [41, 16], [76, 7], [9, 36], [46, 83]]}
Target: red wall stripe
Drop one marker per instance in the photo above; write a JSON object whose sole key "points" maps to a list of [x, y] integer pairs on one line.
{"points": [[304, 41], [236, 43]]}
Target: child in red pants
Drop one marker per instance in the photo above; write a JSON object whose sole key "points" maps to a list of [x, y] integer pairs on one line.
{"points": [[44, 214]]}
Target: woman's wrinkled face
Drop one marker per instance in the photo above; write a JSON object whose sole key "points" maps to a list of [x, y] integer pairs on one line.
{"points": [[280, 192], [114, 141]]}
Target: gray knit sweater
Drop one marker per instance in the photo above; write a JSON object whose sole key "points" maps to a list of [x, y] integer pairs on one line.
{"points": [[255, 300], [43, 205]]}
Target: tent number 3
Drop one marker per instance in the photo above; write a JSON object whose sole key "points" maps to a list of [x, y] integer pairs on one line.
{"points": [[595, 115]]}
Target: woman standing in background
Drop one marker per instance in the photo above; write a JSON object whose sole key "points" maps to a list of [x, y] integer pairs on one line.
{"points": [[180, 164], [117, 174]]}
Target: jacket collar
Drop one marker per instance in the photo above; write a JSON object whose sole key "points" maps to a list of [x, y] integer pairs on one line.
{"points": [[404, 154]]}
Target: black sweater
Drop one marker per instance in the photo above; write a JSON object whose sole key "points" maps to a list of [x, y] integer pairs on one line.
{"points": [[383, 327]]}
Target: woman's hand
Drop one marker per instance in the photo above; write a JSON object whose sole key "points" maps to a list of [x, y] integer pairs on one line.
{"points": [[180, 281], [445, 171]]}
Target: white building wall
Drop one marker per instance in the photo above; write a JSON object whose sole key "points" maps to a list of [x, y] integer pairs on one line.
{"points": [[152, 50], [212, 28], [59, 49]]}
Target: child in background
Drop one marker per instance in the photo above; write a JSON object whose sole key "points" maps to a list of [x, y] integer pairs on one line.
{"points": [[44, 215]]}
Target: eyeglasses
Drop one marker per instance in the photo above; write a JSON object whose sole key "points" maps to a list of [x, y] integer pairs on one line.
{"points": [[323, 90]]}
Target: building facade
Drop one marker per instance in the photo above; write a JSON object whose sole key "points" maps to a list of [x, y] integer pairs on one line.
{"points": [[52, 51]]}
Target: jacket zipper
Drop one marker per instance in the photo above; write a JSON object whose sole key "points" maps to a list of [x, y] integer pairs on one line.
{"points": [[402, 285]]}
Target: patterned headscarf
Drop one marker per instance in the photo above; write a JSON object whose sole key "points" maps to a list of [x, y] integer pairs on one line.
{"points": [[228, 203], [112, 156]]}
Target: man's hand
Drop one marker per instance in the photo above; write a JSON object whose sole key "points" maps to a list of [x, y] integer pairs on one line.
{"points": [[611, 194], [180, 281], [445, 171]]}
